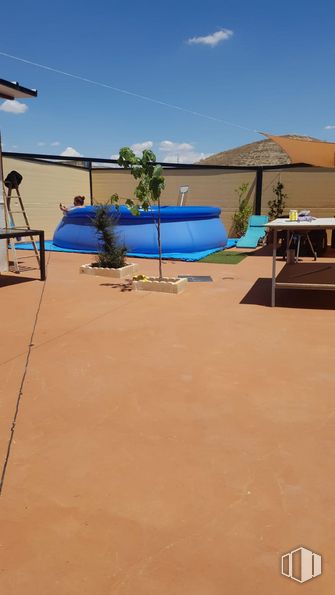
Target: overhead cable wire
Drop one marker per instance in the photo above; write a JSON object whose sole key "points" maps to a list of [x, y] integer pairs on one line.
{"points": [[127, 92]]}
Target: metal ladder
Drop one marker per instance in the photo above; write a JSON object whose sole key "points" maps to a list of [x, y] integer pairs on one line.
{"points": [[10, 222]]}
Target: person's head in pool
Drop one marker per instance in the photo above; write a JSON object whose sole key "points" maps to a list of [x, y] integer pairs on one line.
{"points": [[78, 201]]}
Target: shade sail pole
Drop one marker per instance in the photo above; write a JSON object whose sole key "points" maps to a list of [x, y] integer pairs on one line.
{"points": [[259, 188], [3, 243]]}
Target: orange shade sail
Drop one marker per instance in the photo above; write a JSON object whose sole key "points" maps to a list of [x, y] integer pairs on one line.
{"points": [[311, 152]]}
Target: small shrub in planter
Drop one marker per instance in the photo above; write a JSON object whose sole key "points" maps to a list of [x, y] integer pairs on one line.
{"points": [[111, 254], [111, 258]]}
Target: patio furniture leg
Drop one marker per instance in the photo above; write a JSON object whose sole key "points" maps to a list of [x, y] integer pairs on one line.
{"points": [[274, 256], [42, 256], [298, 249], [311, 246], [288, 243]]}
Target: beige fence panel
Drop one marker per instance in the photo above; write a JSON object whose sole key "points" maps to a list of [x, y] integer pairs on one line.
{"points": [[106, 182], [306, 188], [207, 187], [43, 187]]}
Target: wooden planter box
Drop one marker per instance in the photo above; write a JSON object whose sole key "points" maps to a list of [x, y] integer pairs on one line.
{"points": [[126, 271], [165, 285]]}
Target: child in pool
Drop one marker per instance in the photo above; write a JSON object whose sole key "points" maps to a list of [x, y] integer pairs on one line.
{"points": [[78, 201]]}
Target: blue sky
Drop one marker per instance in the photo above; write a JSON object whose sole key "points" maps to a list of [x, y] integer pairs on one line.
{"points": [[259, 65]]}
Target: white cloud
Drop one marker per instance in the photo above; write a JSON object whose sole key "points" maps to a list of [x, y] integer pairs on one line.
{"points": [[13, 107], [169, 151], [330, 127], [179, 152], [138, 148], [70, 152], [114, 156], [53, 144], [213, 39], [187, 157], [168, 145]]}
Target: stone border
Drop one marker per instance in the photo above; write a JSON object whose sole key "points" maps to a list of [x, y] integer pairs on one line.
{"points": [[165, 285], [126, 271]]}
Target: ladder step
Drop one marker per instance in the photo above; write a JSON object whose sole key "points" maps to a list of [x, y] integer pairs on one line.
{"points": [[23, 257]]}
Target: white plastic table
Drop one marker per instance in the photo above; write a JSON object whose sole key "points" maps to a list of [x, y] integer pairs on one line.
{"points": [[292, 227]]}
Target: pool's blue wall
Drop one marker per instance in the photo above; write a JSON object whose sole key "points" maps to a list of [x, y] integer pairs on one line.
{"points": [[183, 229]]}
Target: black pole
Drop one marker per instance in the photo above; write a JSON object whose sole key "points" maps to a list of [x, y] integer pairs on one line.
{"points": [[259, 187], [91, 181]]}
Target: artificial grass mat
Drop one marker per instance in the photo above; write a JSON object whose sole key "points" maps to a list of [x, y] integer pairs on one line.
{"points": [[225, 257]]}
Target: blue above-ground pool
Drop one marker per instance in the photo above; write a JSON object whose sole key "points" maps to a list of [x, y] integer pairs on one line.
{"points": [[183, 230]]}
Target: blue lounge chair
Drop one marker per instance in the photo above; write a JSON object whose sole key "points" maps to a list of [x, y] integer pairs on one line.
{"points": [[255, 231]]}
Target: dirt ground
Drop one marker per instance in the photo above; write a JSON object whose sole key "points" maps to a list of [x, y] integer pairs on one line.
{"points": [[156, 444]]}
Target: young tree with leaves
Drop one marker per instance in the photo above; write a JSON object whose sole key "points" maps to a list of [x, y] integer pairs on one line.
{"points": [[148, 190]]}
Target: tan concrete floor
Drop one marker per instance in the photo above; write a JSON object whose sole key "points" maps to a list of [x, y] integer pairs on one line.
{"points": [[165, 445]]}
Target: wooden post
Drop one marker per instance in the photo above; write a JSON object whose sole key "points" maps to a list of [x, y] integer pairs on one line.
{"points": [[3, 223], [259, 187]]}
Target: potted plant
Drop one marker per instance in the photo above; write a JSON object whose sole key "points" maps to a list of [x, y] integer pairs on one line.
{"points": [[276, 209], [111, 258], [147, 193], [243, 212], [277, 204]]}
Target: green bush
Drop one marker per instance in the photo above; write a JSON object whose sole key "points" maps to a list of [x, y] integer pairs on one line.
{"points": [[111, 254], [277, 204], [242, 214]]}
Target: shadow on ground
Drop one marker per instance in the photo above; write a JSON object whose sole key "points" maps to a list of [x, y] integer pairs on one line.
{"points": [[267, 251], [7, 280], [127, 286], [260, 295]]}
